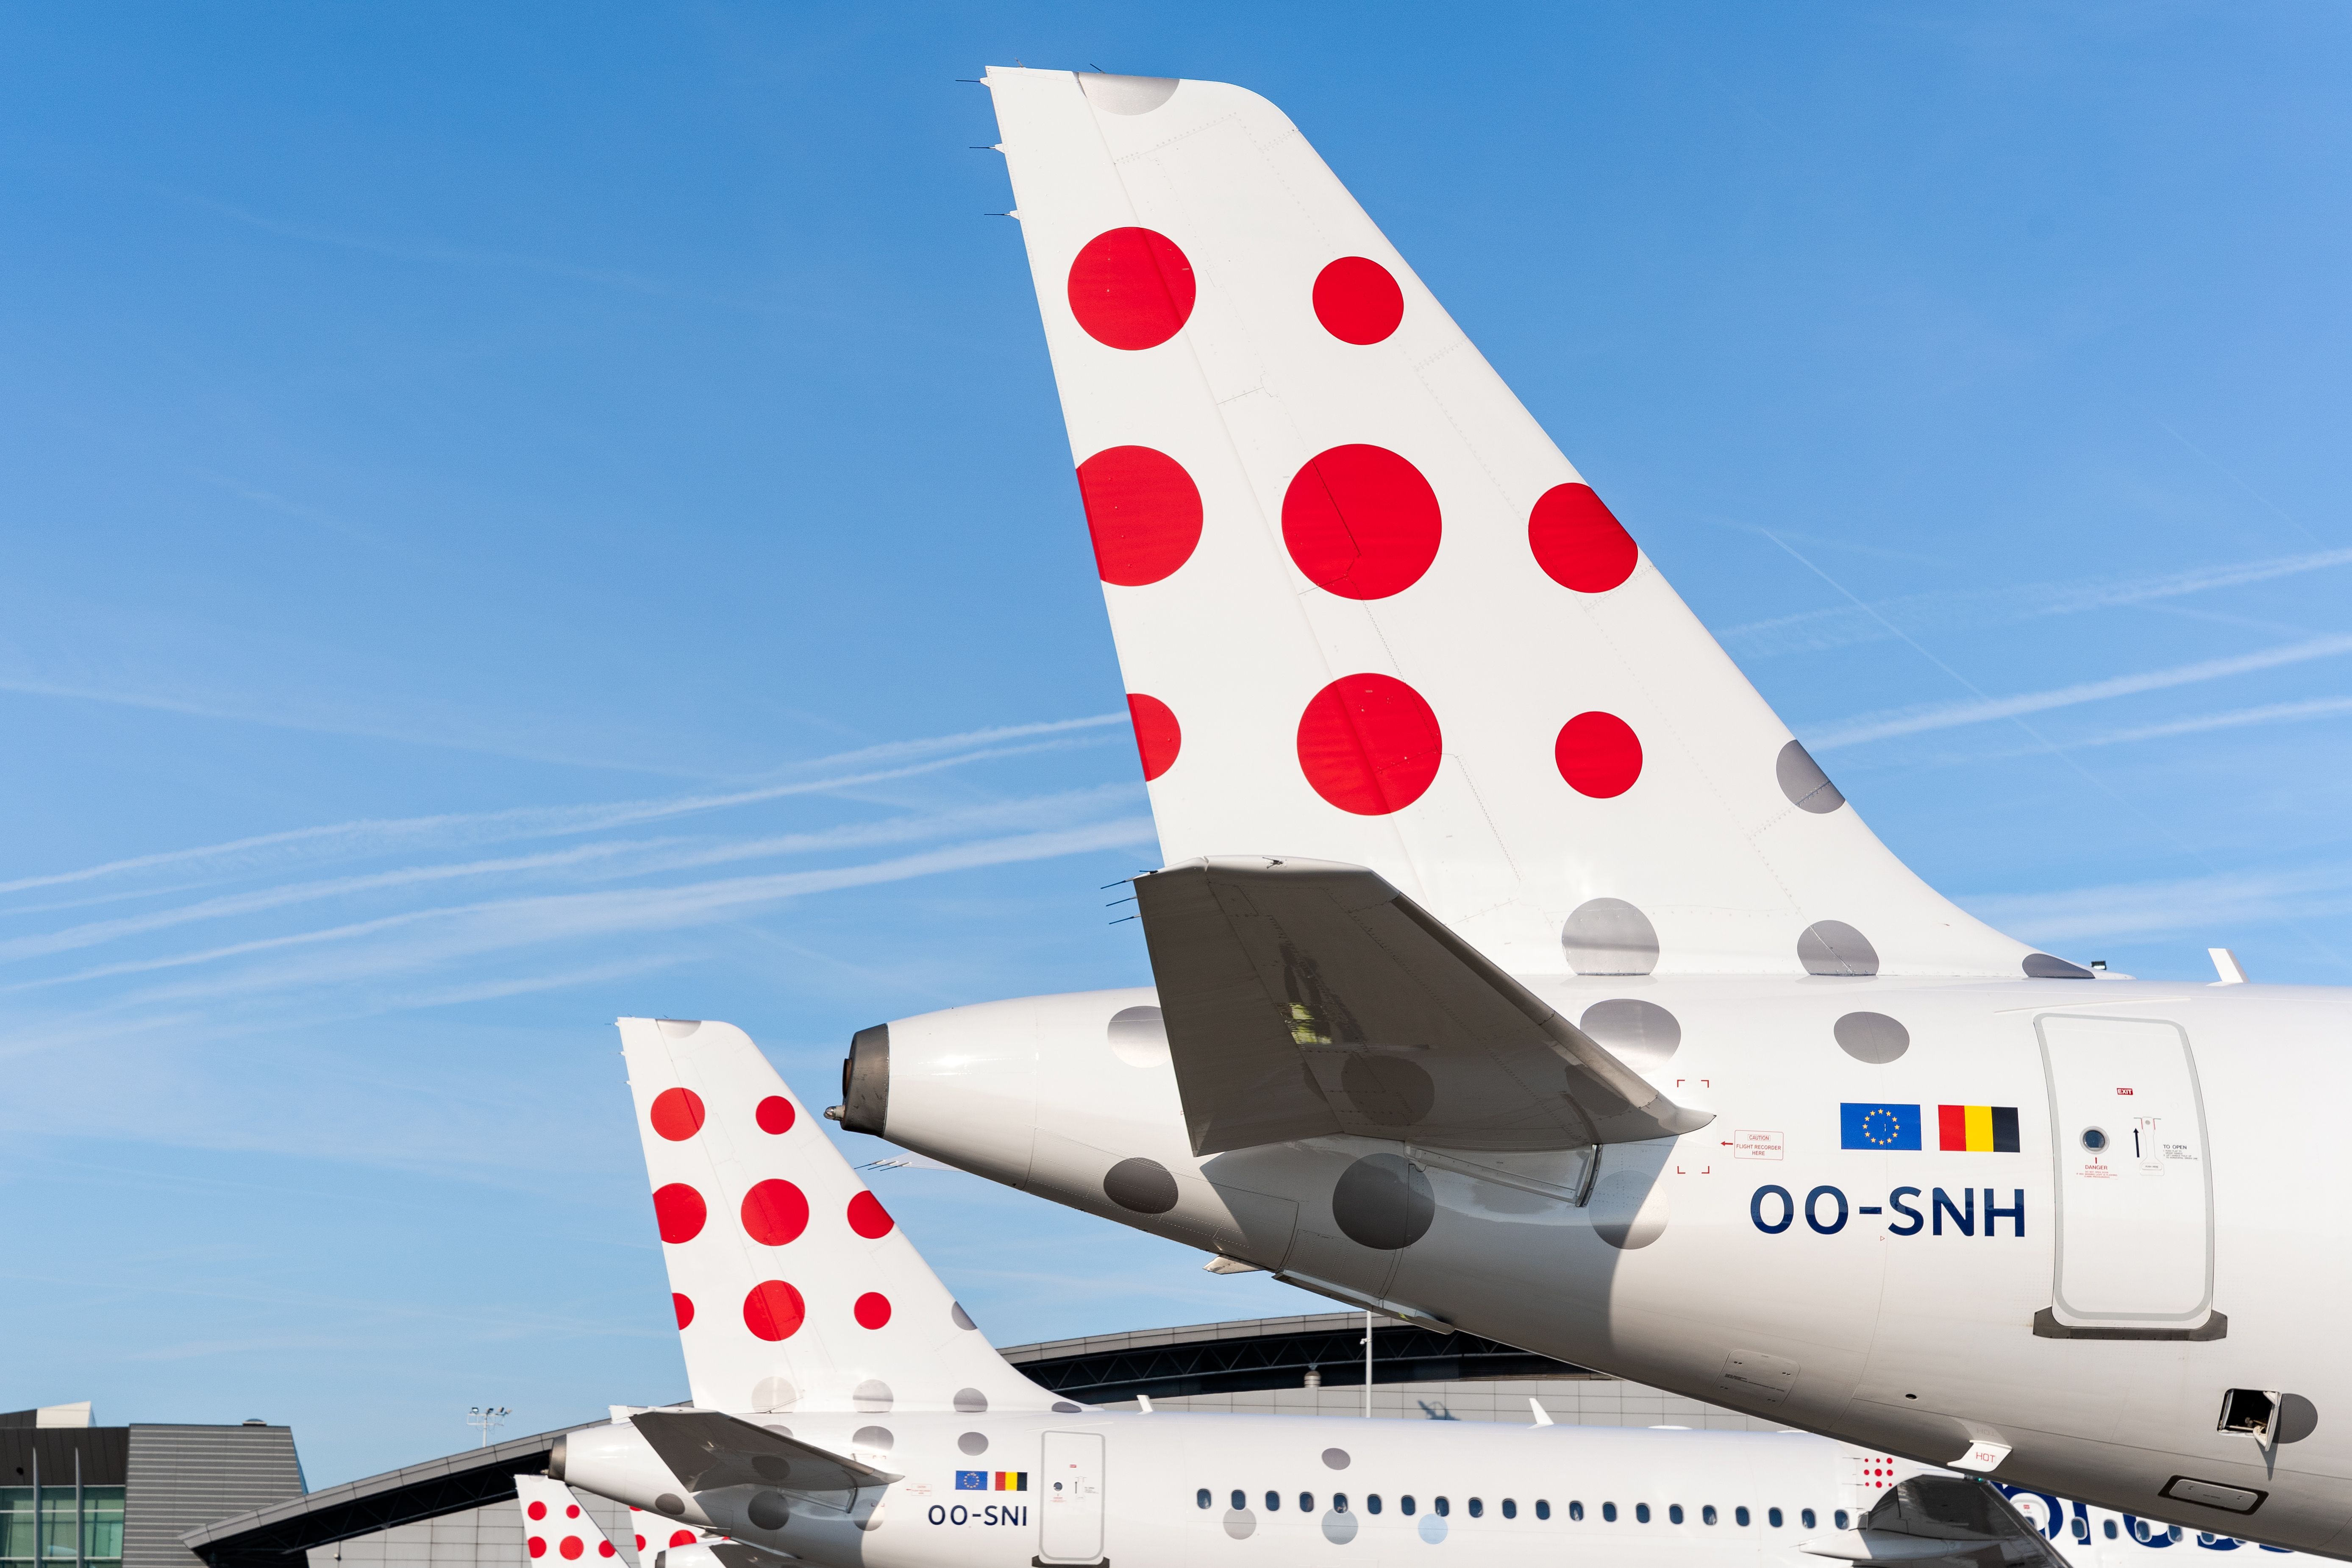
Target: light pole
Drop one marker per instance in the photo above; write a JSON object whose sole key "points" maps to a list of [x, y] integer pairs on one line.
{"points": [[486, 1417]]}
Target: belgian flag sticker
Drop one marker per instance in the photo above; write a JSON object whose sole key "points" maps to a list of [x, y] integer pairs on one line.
{"points": [[1977, 1128]]}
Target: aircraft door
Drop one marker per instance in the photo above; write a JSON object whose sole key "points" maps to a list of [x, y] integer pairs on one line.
{"points": [[2135, 1208], [1070, 1504]]}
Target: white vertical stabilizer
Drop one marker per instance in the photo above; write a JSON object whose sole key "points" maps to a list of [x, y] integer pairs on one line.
{"points": [[793, 1288], [556, 1530], [1366, 610]]}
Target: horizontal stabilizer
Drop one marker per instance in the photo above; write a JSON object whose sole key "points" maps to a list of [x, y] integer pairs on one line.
{"points": [[1305, 998], [709, 1451], [1932, 1519]]}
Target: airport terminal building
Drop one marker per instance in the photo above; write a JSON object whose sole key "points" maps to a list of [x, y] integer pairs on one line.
{"points": [[458, 1511]]}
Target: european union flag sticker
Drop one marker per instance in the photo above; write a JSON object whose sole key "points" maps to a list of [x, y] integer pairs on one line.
{"points": [[1878, 1126], [972, 1480]]}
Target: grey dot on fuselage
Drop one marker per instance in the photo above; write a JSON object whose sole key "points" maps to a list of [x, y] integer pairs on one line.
{"points": [[1608, 936], [963, 1318], [1064, 1408], [873, 1394], [2042, 967], [872, 1438], [769, 1511], [1833, 947], [1140, 1186], [1335, 1458], [1640, 1034], [1383, 1201], [669, 1503], [1803, 780], [973, 1443], [1338, 1529], [1125, 94], [1240, 1523], [970, 1402], [1872, 1038]]}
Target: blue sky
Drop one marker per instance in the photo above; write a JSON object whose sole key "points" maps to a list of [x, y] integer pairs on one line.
{"points": [[517, 516]]}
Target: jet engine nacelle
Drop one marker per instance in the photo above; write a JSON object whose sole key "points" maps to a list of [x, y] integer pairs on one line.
{"points": [[615, 1461]]}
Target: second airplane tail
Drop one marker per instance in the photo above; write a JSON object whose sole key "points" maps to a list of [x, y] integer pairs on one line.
{"points": [[793, 1287]]}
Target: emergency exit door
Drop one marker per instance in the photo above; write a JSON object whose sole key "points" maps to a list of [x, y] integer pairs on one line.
{"points": [[2135, 1204], [1070, 1508]]}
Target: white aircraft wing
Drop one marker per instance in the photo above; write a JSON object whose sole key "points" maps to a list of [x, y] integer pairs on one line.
{"points": [[1305, 998]]}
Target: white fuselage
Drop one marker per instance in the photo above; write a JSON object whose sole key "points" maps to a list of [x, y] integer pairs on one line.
{"points": [[2087, 1308], [1130, 1489]]}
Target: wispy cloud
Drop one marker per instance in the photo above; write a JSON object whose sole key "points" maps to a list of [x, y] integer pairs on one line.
{"points": [[1842, 625], [2203, 905], [474, 929], [1888, 724], [866, 766]]}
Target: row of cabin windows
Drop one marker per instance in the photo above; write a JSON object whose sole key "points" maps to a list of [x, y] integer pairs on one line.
{"points": [[1444, 1507]]}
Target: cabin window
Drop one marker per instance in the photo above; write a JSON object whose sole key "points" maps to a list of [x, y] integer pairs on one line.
{"points": [[1840, 1517], [1510, 1509], [1443, 1507], [1338, 1502], [1306, 1502], [1673, 1513], [2083, 1530], [1543, 1509], [1405, 1505], [1805, 1518], [1772, 1517], [1641, 1514], [2110, 1528], [1706, 1514], [1739, 1516], [1205, 1496], [1241, 1501], [1273, 1502], [1372, 1503], [1609, 1512], [1477, 1508]]}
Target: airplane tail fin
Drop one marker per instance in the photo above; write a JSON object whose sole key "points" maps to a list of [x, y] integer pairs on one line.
{"points": [[1367, 612], [793, 1287], [556, 1530]]}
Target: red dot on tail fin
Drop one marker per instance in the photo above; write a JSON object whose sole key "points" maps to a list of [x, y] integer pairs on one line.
{"points": [[1361, 523], [1358, 301], [683, 1305], [680, 1210], [571, 1548], [1370, 744], [873, 1309], [681, 1537], [1143, 512], [1131, 289], [1158, 736], [867, 1218], [678, 1114], [774, 1212], [773, 1311], [572, 1512], [1598, 755], [537, 1511], [775, 1114], [538, 1544], [1579, 541]]}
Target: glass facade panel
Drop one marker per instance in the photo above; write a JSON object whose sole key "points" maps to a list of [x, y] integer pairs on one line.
{"points": [[57, 1537]]}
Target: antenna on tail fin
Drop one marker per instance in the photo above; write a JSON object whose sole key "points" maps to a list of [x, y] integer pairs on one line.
{"points": [[795, 1289], [1366, 611]]}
